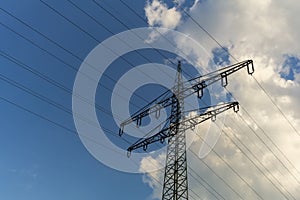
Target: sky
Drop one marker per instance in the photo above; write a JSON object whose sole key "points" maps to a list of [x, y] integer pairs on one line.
{"points": [[44, 45]]}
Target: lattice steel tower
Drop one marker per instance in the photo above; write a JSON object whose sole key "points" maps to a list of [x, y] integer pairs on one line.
{"points": [[175, 186], [175, 180]]}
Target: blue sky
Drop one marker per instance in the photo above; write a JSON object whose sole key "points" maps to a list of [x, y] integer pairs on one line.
{"points": [[42, 48], [40, 160], [291, 66]]}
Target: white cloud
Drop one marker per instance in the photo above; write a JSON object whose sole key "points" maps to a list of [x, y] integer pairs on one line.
{"points": [[158, 14], [153, 179], [264, 31]]}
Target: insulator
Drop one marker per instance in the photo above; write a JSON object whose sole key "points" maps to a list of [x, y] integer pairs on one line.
{"points": [[200, 90], [171, 125], [162, 140], [138, 122], [200, 93], [213, 117], [236, 108], [128, 153], [192, 127], [250, 68], [224, 80], [157, 113], [121, 131], [145, 146]]}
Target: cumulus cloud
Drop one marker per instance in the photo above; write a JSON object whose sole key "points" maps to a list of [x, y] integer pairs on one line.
{"points": [[267, 32], [158, 14], [153, 179]]}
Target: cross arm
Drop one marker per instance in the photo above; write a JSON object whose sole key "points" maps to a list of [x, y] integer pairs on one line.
{"points": [[201, 82], [191, 122], [195, 85]]}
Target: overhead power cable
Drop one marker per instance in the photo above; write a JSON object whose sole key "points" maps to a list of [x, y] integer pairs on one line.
{"points": [[45, 99], [269, 138], [22, 64], [258, 83], [256, 166], [231, 168]]}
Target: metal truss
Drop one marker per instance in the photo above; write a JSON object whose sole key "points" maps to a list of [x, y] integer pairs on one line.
{"points": [[175, 186]]}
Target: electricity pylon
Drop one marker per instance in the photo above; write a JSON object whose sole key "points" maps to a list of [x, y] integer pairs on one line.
{"points": [[175, 186]]}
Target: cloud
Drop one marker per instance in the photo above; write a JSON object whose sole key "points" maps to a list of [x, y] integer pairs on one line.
{"points": [[153, 179], [267, 32], [158, 14]]}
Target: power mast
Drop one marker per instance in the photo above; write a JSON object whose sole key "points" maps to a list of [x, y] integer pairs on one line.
{"points": [[175, 186]]}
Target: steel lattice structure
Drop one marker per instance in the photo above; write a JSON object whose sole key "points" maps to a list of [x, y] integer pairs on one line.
{"points": [[175, 180], [175, 186]]}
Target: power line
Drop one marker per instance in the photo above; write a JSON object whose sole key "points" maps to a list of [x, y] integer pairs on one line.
{"points": [[261, 87], [60, 46], [210, 192], [195, 21], [261, 165], [67, 129], [53, 82], [217, 175], [53, 122], [47, 39], [259, 147], [231, 168], [108, 30], [41, 97], [95, 39], [51, 102], [259, 84], [34, 94], [211, 187], [63, 127], [268, 137], [260, 161], [278, 108], [30, 69], [256, 166], [59, 59], [161, 34], [128, 28]]}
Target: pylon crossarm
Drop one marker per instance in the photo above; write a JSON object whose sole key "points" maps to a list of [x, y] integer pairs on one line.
{"points": [[154, 107], [196, 85], [191, 122], [228, 70]]}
